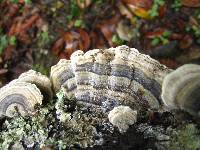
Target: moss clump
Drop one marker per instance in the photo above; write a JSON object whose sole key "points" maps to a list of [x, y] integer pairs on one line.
{"points": [[188, 137]]}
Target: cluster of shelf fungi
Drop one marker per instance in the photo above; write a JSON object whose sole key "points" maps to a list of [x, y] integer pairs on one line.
{"points": [[118, 82]]}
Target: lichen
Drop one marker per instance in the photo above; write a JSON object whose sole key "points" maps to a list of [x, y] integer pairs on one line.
{"points": [[81, 120], [46, 128], [157, 134], [27, 130], [187, 137]]}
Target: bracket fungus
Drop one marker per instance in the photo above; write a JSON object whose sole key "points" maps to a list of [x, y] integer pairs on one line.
{"points": [[111, 77], [107, 79], [122, 117], [22, 94], [181, 89], [41, 81]]}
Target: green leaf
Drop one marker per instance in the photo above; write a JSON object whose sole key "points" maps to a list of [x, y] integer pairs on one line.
{"points": [[166, 33], [116, 40], [3, 43], [198, 41], [69, 17], [27, 2], [155, 42], [164, 40], [12, 40], [75, 10], [78, 23], [176, 5], [153, 12], [43, 38], [15, 1]]}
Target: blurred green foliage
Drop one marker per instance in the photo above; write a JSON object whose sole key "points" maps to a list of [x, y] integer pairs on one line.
{"points": [[43, 38], [5, 41], [40, 68], [153, 12], [163, 39], [116, 40], [195, 30], [176, 5]]}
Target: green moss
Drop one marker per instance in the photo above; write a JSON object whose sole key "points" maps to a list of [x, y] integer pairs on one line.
{"points": [[187, 138]]}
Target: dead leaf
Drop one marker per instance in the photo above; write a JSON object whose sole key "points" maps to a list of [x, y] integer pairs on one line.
{"points": [[85, 39], [124, 31], [176, 36], [71, 41], [97, 40], [83, 3], [8, 53], [139, 11], [62, 55], [29, 22], [191, 3], [58, 45], [186, 42], [180, 24], [13, 9], [22, 24], [162, 10], [190, 55], [3, 71], [124, 10], [108, 28], [156, 33], [145, 4], [169, 63]]}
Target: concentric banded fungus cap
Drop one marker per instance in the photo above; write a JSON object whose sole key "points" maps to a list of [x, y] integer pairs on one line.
{"points": [[59, 73], [20, 96], [41, 81], [111, 77], [181, 89]]}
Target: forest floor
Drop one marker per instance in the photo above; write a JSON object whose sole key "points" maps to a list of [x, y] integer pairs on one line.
{"points": [[32, 31], [35, 34]]}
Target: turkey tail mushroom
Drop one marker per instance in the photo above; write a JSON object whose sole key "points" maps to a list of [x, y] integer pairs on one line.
{"points": [[41, 81], [181, 89], [110, 77], [24, 93], [19, 96], [60, 73]]}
